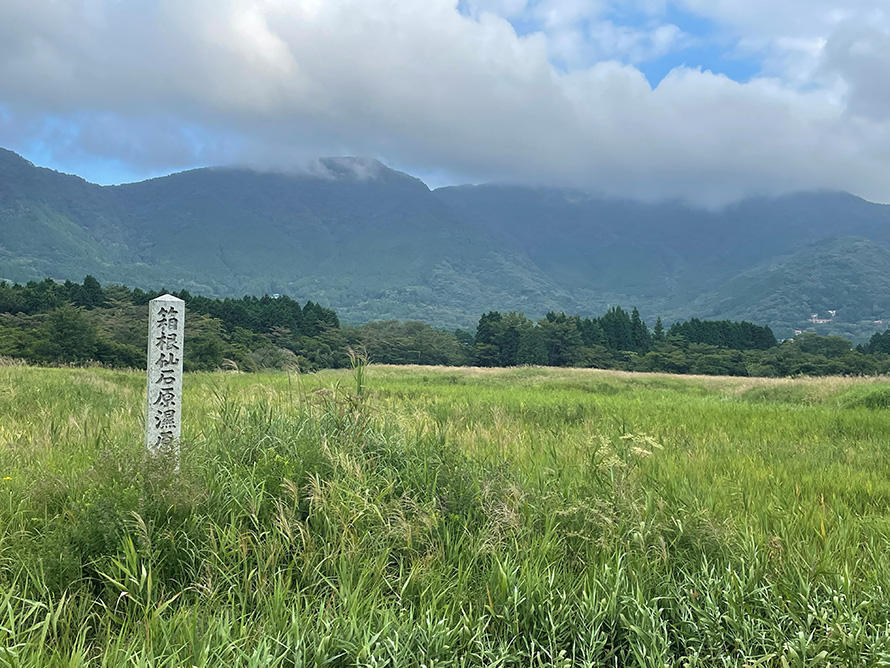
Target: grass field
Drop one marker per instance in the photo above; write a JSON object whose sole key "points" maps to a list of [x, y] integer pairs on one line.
{"points": [[441, 517]]}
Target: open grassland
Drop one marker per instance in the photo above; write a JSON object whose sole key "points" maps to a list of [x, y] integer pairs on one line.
{"points": [[440, 517]]}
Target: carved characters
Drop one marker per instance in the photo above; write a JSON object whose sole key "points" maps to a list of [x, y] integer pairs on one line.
{"points": [[163, 423]]}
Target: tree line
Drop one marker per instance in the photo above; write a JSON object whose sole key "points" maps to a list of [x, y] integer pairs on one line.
{"points": [[48, 322]]}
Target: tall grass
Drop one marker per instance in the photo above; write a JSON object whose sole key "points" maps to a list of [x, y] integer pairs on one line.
{"points": [[358, 360], [443, 517]]}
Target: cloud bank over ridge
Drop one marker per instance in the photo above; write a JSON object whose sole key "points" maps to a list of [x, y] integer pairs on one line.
{"points": [[551, 92]]}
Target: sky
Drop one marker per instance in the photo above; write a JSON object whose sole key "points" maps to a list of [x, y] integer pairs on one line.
{"points": [[705, 101]]}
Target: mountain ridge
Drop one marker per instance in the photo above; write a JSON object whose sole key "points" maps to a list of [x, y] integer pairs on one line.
{"points": [[375, 243]]}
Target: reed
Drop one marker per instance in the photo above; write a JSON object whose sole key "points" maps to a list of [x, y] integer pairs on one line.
{"points": [[447, 518]]}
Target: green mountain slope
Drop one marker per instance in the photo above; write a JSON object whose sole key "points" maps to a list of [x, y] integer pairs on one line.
{"points": [[849, 276], [370, 241], [54, 224], [661, 253], [679, 262], [375, 243]]}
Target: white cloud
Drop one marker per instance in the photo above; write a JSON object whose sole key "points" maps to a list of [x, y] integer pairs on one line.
{"points": [[634, 45], [561, 14], [502, 8], [790, 34], [172, 83]]}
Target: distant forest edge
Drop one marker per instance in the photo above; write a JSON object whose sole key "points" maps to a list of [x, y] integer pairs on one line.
{"points": [[47, 322]]}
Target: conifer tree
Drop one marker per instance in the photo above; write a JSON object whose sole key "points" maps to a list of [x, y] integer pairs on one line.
{"points": [[639, 332], [658, 331]]}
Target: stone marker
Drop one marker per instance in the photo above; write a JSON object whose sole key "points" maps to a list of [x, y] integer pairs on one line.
{"points": [[163, 417]]}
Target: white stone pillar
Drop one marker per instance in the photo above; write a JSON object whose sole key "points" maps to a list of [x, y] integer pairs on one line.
{"points": [[163, 417]]}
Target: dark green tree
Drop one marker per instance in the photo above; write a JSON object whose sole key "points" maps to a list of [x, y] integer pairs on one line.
{"points": [[561, 338], [65, 336], [89, 295], [642, 340], [658, 331], [617, 328]]}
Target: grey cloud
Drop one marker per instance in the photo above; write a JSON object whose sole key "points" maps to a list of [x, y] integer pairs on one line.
{"points": [[274, 83], [860, 55]]}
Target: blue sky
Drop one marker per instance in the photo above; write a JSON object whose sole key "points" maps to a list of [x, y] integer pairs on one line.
{"points": [[708, 45], [711, 48], [704, 100]]}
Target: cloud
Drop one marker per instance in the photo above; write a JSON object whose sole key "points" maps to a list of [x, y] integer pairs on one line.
{"points": [[169, 84], [790, 34], [502, 8], [635, 45], [860, 57]]}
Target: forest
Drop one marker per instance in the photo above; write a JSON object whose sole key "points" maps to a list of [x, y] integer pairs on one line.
{"points": [[53, 323]]}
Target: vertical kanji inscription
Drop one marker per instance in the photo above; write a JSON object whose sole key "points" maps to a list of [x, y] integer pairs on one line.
{"points": [[163, 419]]}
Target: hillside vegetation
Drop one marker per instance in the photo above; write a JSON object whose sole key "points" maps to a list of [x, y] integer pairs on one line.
{"points": [[414, 516], [71, 323], [376, 244]]}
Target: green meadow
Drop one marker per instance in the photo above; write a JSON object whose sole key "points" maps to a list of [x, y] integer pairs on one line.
{"points": [[420, 516]]}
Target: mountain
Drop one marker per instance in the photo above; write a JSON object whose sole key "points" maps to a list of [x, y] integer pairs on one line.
{"points": [[770, 260], [844, 281], [354, 234], [663, 251], [375, 243]]}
